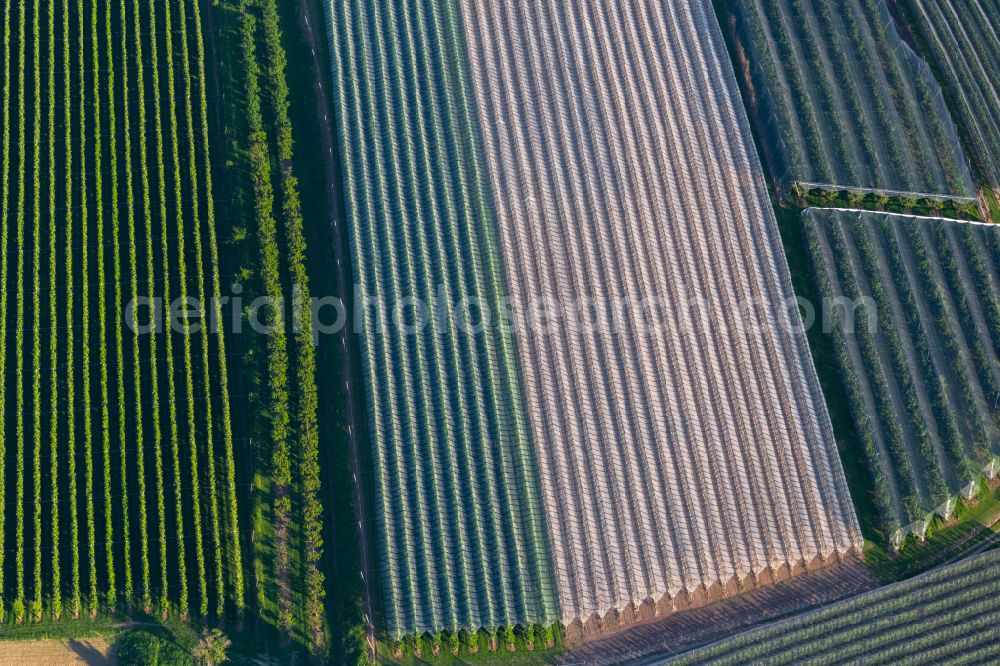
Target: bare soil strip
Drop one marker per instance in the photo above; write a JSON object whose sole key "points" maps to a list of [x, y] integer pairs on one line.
{"points": [[90, 651]]}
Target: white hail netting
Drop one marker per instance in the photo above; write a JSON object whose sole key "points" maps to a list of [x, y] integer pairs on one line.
{"points": [[622, 164], [844, 103]]}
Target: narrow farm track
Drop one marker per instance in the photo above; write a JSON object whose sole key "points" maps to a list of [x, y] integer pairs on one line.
{"points": [[343, 279], [84, 229]]}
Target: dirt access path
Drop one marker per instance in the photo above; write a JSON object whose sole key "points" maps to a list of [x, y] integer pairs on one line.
{"points": [[344, 285], [675, 634], [92, 651]]}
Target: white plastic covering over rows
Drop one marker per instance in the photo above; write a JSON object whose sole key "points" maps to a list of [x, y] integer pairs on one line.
{"points": [[622, 166], [457, 515]]}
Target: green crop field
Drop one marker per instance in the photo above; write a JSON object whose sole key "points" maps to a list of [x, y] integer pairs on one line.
{"points": [[118, 477], [122, 474], [524, 474], [450, 331]]}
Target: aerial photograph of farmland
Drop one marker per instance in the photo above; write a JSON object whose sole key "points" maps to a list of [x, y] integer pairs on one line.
{"points": [[499, 332]]}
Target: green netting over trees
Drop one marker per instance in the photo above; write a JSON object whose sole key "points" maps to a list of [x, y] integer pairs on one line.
{"points": [[961, 41], [841, 102], [458, 512], [919, 361]]}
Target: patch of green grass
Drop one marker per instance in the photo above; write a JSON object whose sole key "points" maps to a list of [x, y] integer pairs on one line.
{"points": [[520, 656], [971, 526], [112, 625], [107, 625], [993, 203], [249, 646]]}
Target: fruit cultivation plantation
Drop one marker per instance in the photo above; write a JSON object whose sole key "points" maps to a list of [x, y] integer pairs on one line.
{"points": [[920, 361], [961, 41], [668, 407], [475, 331], [842, 103], [118, 473], [946, 616], [459, 517], [433, 548], [118, 470]]}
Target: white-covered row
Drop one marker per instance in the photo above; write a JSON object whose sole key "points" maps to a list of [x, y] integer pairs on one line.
{"points": [[696, 450]]}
